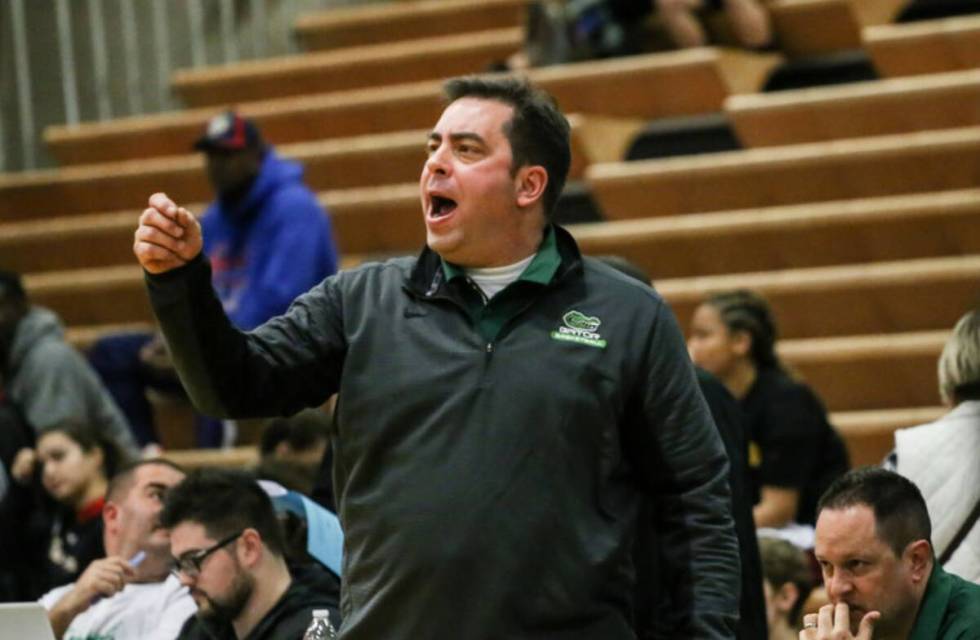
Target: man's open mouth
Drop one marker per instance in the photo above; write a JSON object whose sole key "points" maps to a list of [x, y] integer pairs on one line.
{"points": [[442, 206]]}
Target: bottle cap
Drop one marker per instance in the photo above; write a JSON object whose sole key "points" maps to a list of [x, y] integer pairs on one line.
{"points": [[321, 613]]}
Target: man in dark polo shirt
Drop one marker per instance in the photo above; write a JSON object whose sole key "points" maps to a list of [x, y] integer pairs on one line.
{"points": [[873, 544]]}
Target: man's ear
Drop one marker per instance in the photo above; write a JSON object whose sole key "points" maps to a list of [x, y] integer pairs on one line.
{"points": [[110, 514], [250, 547], [918, 559], [530, 182], [787, 596]]}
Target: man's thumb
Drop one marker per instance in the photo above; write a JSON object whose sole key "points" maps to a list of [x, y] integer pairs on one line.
{"points": [[867, 627]]}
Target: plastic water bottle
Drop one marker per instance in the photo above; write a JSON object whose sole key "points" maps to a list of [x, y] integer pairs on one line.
{"points": [[320, 627]]}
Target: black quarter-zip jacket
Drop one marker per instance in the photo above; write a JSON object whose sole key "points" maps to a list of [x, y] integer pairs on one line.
{"points": [[488, 488]]}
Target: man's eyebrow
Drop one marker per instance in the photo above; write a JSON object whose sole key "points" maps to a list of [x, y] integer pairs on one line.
{"points": [[456, 137], [157, 485]]}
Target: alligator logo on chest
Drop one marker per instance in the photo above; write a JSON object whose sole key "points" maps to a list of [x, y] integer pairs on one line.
{"points": [[581, 329]]}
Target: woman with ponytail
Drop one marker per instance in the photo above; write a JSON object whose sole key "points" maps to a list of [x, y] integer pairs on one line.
{"points": [[794, 452]]}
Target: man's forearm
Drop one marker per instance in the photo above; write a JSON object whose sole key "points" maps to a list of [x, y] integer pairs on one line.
{"points": [[63, 612]]}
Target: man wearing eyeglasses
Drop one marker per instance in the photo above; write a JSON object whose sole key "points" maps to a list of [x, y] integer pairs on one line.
{"points": [[228, 550], [127, 595]]}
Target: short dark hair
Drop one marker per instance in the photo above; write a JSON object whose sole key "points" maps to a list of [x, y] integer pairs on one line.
{"points": [[783, 562], [301, 431], [538, 132], [122, 481], [13, 303], [901, 516], [11, 287], [223, 502]]}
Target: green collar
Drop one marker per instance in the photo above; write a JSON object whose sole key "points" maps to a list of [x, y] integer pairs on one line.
{"points": [[933, 607], [490, 317], [541, 270]]}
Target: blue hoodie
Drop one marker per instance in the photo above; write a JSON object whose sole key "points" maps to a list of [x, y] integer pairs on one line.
{"points": [[270, 246]]}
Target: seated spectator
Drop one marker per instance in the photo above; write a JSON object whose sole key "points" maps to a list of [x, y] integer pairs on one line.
{"points": [[229, 551], [748, 19], [292, 449], [873, 543], [794, 452], [561, 31], [129, 594], [952, 489], [16, 505], [46, 378], [787, 584], [76, 462], [268, 239]]}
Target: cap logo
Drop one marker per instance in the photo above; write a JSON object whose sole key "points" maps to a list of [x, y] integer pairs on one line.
{"points": [[220, 125]]}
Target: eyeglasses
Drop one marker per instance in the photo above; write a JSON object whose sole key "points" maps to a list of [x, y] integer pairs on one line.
{"points": [[190, 563]]}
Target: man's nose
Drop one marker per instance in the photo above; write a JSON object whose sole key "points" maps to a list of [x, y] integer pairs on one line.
{"points": [[838, 585], [438, 161]]}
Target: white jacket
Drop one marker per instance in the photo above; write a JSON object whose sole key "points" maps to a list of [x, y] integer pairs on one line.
{"points": [[943, 459]]}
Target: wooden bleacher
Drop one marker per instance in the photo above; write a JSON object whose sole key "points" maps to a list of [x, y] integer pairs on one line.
{"points": [[854, 208], [848, 369], [352, 68], [394, 22], [332, 164], [843, 300], [688, 82], [931, 46], [891, 106], [233, 458], [102, 295], [838, 170], [921, 294], [82, 337], [869, 434], [814, 27], [809, 235]]}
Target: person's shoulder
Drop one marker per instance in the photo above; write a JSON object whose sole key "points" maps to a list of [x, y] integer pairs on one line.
{"points": [[962, 619], [623, 288], [397, 268], [294, 612], [780, 384], [52, 354], [965, 596]]}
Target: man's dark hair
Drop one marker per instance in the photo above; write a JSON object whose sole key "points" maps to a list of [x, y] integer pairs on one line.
{"points": [[538, 132], [11, 287], [900, 511], [122, 481], [13, 307], [223, 502], [88, 436], [302, 431]]}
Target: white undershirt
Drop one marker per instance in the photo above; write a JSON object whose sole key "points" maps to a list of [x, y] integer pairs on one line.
{"points": [[492, 280]]}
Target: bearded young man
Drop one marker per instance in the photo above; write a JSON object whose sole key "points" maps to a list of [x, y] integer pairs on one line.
{"points": [[228, 550]]}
